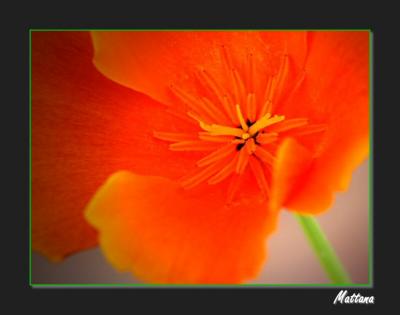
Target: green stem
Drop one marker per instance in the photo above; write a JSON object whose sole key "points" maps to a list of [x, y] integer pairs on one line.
{"points": [[323, 249]]}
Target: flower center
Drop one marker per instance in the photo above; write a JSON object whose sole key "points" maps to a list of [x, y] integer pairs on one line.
{"points": [[236, 128], [245, 131]]}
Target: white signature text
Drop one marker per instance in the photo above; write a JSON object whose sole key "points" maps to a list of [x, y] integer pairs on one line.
{"points": [[343, 297]]}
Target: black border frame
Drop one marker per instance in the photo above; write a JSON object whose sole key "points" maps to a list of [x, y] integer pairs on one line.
{"points": [[249, 298]]}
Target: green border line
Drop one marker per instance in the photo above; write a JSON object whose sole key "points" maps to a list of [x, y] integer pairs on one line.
{"points": [[371, 162], [30, 157], [249, 285], [177, 286], [194, 30]]}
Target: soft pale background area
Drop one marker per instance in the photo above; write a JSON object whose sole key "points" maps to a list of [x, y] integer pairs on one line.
{"points": [[291, 260]]}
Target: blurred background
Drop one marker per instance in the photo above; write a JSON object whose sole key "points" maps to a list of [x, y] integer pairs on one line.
{"points": [[290, 257]]}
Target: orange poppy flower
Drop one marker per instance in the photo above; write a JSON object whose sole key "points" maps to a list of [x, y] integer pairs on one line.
{"points": [[176, 150]]}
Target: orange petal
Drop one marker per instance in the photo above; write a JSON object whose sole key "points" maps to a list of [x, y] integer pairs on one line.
{"points": [[150, 61], [305, 184], [336, 75], [335, 92], [296, 46], [164, 234], [325, 177], [291, 164], [84, 128]]}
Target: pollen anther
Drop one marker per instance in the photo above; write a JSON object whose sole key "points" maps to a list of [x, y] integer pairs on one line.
{"points": [[264, 122], [241, 118], [245, 136]]}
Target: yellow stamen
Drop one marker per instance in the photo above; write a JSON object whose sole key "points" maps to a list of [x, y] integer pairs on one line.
{"points": [[266, 108], [226, 59], [298, 83], [193, 146], [241, 119], [251, 106], [226, 104], [290, 124], [213, 111], [201, 175], [217, 155], [250, 146], [265, 138], [173, 136], [264, 122], [198, 118], [233, 187], [264, 155], [204, 135], [191, 101], [267, 105], [243, 158], [239, 88], [238, 141], [311, 129], [218, 130], [180, 115], [209, 81], [227, 170], [256, 126], [281, 76], [259, 175], [271, 89], [250, 73]]}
